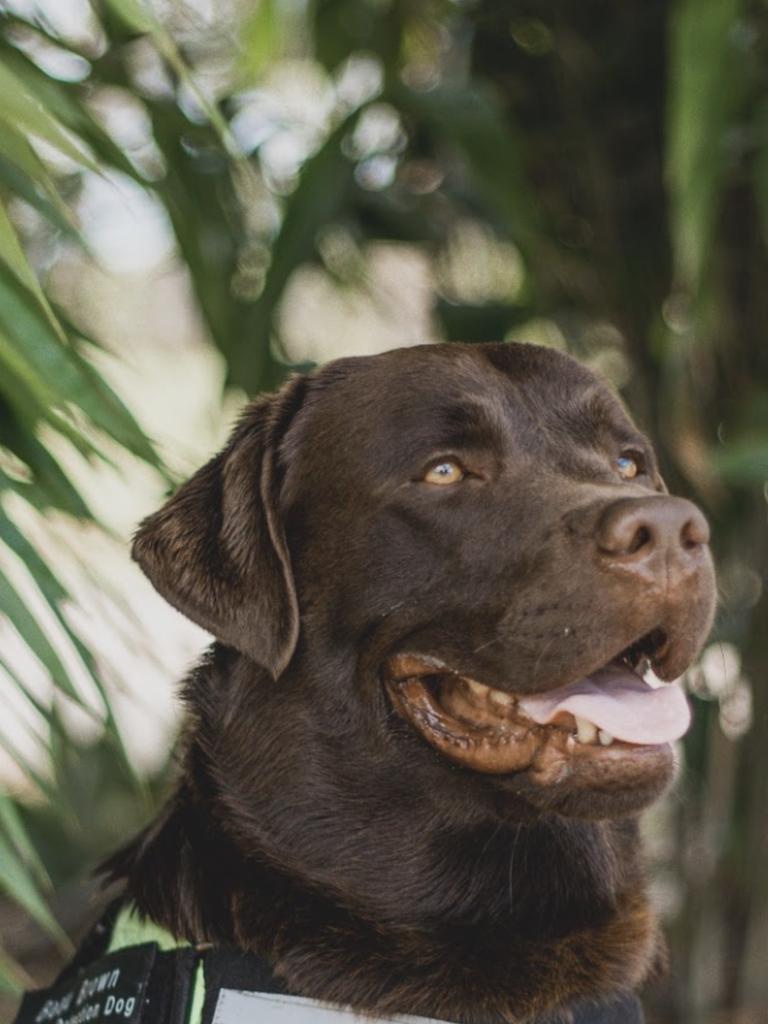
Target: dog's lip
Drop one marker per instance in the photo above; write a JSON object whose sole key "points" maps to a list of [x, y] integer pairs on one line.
{"points": [[655, 643], [496, 731]]}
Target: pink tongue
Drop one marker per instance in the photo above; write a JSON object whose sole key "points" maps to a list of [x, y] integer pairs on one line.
{"points": [[618, 701]]}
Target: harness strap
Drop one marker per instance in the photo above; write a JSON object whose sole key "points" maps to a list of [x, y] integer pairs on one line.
{"points": [[129, 971]]}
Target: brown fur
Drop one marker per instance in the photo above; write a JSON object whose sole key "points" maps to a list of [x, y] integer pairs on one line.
{"points": [[311, 824]]}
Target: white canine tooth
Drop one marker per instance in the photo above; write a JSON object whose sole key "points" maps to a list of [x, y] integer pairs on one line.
{"points": [[506, 699], [585, 730], [652, 679], [478, 689], [605, 738], [570, 743]]}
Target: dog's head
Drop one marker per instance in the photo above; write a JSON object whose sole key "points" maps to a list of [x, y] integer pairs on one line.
{"points": [[472, 547]]}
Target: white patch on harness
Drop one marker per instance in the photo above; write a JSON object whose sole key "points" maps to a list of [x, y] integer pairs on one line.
{"points": [[236, 1007]]}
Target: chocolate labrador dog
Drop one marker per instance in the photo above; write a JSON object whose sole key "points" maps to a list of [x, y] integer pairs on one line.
{"points": [[438, 579]]}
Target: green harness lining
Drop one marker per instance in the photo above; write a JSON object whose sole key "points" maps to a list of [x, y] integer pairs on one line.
{"points": [[130, 930]]}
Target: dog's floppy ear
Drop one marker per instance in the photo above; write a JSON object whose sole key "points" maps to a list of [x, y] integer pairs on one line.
{"points": [[217, 551]]}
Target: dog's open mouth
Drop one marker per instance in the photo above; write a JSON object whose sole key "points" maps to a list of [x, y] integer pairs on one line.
{"points": [[612, 713]]}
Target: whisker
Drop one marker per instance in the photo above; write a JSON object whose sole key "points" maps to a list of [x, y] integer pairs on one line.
{"points": [[542, 652], [488, 643]]}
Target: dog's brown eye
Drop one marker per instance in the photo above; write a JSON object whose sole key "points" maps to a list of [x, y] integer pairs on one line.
{"points": [[445, 472], [629, 466]]}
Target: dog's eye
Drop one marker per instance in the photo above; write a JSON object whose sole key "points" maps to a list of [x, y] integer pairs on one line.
{"points": [[445, 472], [630, 464]]}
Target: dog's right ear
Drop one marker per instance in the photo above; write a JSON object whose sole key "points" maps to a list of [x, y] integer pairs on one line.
{"points": [[217, 551]]}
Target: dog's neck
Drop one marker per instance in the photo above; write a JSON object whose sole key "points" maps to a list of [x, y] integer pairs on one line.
{"points": [[363, 888]]}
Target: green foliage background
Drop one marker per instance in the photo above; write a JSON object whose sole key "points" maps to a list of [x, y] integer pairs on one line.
{"points": [[618, 153]]}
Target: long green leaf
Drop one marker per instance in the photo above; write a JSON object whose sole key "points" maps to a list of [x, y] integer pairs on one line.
{"points": [[19, 184], [107, 411], [51, 589], [16, 363], [40, 706], [708, 79], [22, 759], [16, 880], [55, 372], [198, 195], [262, 38], [26, 624], [15, 148], [12, 825], [135, 15], [20, 109], [760, 163], [13, 980], [12, 254], [64, 104], [54, 594], [49, 487]]}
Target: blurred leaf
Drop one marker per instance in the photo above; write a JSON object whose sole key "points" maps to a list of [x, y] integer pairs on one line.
{"points": [[20, 109], [16, 879], [743, 461], [13, 256], [51, 589], [95, 397], [43, 710], [198, 194], [489, 321], [325, 182], [54, 594], [22, 187], [58, 376], [12, 826], [708, 80], [28, 390], [760, 165], [140, 18], [12, 979], [344, 27], [262, 39], [49, 487], [25, 761], [15, 149], [64, 106], [26, 625], [471, 121], [134, 14]]}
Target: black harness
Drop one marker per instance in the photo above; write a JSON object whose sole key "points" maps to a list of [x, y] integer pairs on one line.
{"points": [[144, 983]]}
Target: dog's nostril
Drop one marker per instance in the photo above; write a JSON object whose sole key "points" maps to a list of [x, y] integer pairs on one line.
{"points": [[694, 533], [642, 537]]}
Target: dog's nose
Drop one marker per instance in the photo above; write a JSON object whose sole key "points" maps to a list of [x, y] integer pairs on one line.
{"points": [[653, 535]]}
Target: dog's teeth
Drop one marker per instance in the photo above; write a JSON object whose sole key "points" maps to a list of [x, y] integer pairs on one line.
{"points": [[505, 699], [478, 689], [570, 743], [605, 738], [586, 731]]}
